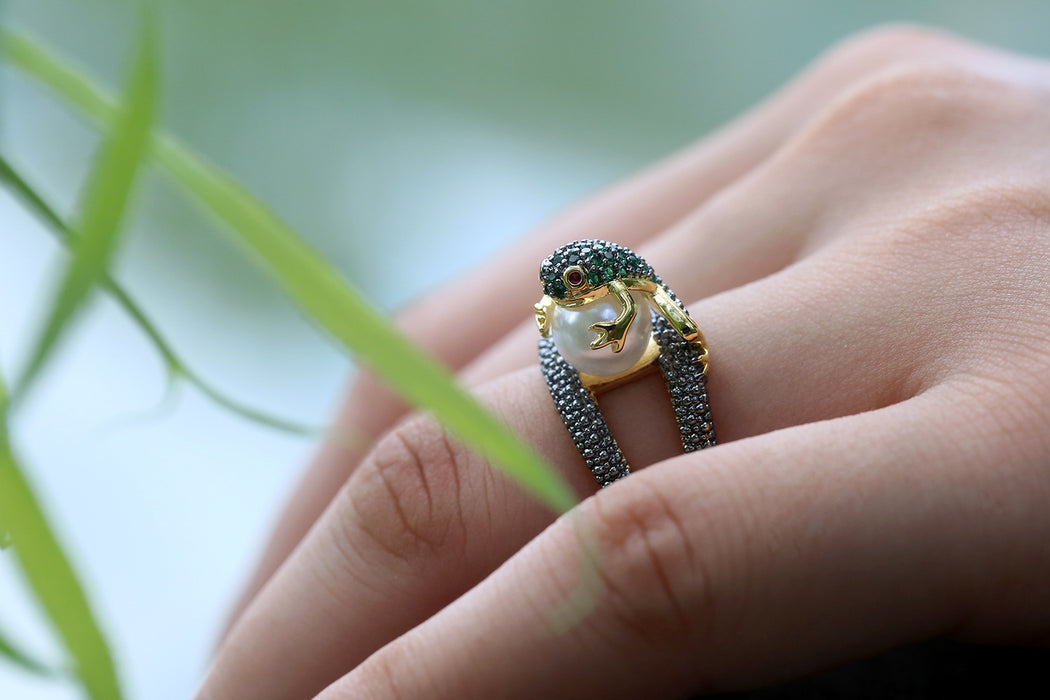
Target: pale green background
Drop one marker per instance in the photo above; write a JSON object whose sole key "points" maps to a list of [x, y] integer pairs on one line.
{"points": [[407, 141]]}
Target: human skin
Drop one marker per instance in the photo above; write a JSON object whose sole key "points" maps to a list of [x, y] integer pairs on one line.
{"points": [[868, 253]]}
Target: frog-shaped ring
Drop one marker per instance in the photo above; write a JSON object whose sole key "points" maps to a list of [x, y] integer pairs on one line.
{"points": [[604, 319]]}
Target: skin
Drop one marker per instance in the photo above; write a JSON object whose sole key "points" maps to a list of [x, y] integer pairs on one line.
{"points": [[868, 254]]}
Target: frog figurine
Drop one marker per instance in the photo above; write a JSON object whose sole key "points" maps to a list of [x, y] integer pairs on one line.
{"points": [[599, 295]]}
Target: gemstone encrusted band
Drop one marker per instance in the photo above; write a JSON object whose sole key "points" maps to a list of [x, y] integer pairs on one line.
{"points": [[595, 295], [581, 415], [687, 385]]}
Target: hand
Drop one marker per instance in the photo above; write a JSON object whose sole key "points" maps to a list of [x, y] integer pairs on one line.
{"points": [[869, 256]]}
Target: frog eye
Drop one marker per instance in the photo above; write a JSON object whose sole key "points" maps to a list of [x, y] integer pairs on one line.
{"points": [[574, 277]]}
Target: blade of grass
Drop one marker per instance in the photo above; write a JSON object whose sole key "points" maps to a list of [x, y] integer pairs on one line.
{"points": [[104, 204], [177, 369], [57, 226], [316, 287], [253, 414], [50, 574], [23, 660], [328, 299]]}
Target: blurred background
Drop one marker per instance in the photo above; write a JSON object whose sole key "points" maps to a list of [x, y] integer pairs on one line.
{"points": [[406, 141]]}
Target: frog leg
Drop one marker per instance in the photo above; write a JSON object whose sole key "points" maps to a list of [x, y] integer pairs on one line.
{"points": [[676, 315], [613, 332], [544, 314]]}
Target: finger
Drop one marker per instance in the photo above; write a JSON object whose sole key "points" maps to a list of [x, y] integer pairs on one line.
{"points": [[741, 566], [423, 519], [828, 336], [929, 136], [629, 213]]}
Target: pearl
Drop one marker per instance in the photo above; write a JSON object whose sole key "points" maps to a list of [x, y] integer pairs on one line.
{"points": [[570, 329]]}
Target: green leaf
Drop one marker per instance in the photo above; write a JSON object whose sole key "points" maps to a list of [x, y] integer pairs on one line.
{"points": [[25, 54], [327, 298], [175, 366], [34, 201], [51, 576], [317, 288], [104, 203], [57, 226], [20, 658], [253, 414]]}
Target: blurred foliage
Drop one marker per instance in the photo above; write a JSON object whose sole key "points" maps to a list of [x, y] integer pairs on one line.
{"points": [[22, 659], [48, 571], [306, 277], [102, 210], [41, 558], [317, 288], [177, 369]]}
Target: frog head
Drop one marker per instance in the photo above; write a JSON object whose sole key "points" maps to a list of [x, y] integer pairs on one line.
{"points": [[581, 267]]}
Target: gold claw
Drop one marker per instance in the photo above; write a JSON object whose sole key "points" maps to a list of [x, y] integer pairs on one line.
{"points": [[613, 332], [544, 313], [607, 333]]}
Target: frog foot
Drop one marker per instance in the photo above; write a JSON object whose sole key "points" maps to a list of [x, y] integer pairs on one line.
{"points": [[610, 333]]}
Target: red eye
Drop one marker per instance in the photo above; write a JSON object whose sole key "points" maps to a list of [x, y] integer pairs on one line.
{"points": [[574, 278]]}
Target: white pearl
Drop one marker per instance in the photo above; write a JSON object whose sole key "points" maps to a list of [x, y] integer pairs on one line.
{"points": [[570, 329]]}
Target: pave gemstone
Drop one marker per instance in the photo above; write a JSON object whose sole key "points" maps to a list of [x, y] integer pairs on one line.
{"points": [[572, 335], [600, 261]]}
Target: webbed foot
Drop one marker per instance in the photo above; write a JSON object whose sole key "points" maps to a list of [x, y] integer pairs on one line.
{"points": [[609, 333], [613, 332]]}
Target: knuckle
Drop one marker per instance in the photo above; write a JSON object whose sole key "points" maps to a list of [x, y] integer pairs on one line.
{"points": [[981, 241], [920, 111], [1001, 219], [656, 583], [908, 98], [405, 496], [889, 43], [982, 248], [994, 221], [387, 669], [389, 673]]}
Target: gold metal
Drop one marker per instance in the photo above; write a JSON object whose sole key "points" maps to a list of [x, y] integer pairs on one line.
{"points": [[586, 294], [679, 319], [613, 332], [544, 315], [644, 364]]}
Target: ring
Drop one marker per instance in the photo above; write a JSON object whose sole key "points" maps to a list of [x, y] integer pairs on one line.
{"points": [[595, 335]]}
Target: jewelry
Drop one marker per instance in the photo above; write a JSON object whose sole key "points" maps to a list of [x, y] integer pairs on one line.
{"points": [[606, 318]]}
